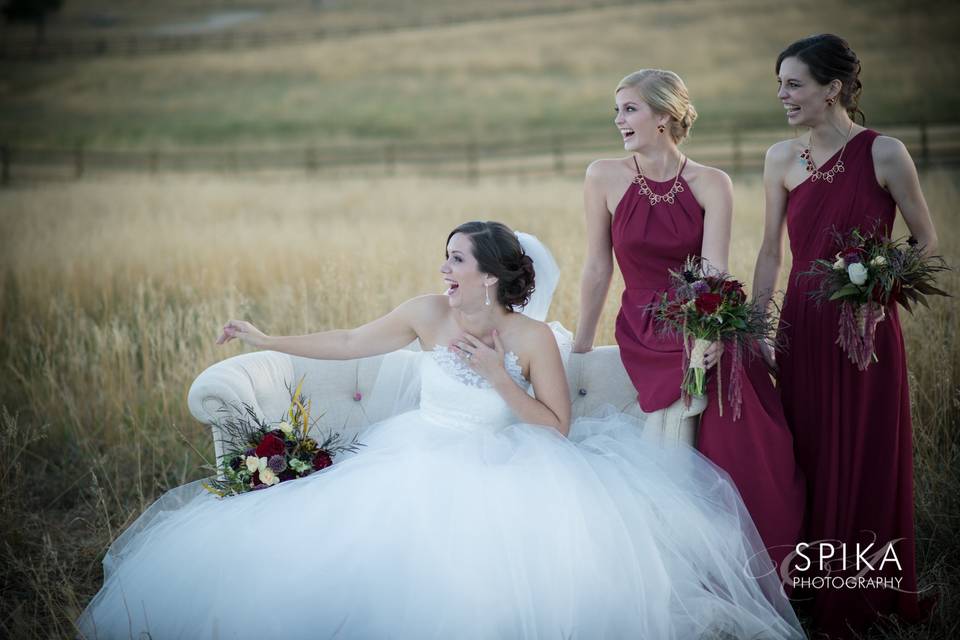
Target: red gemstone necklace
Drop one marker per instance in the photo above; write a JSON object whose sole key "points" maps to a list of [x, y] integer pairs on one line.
{"points": [[817, 174]]}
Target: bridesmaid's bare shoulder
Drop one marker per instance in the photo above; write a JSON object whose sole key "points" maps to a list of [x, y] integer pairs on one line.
{"points": [[609, 178], [611, 169], [707, 178], [779, 159], [887, 150], [891, 160], [784, 152]]}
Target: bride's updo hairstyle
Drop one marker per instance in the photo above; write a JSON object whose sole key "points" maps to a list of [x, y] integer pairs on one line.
{"points": [[830, 58], [665, 93], [498, 253]]}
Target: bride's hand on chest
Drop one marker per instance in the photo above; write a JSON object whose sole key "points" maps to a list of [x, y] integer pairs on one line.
{"points": [[486, 361]]}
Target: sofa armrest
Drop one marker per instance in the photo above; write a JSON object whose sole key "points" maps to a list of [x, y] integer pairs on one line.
{"points": [[597, 378], [259, 379]]}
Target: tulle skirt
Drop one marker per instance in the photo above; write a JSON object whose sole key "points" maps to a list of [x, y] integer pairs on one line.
{"points": [[445, 531]]}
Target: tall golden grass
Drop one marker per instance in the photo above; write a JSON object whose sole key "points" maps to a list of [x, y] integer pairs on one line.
{"points": [[113, 292]]}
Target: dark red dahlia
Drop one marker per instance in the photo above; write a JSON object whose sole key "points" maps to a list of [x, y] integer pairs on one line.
{"points": [[709, 302], [271, 445], [321, 460]]}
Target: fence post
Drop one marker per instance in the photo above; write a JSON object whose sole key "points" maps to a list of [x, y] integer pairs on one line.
{"points": [[390, 159], [471, 161], [924, 145], [78, 160], [5, 164], [558, 155], [736, 150]]}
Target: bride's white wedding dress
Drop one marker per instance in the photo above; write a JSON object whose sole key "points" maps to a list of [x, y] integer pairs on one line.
{"points": [[454, 521]]}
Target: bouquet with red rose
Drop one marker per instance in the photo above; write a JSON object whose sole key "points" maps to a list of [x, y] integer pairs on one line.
{"points": [[869, 273], [261, 454], [702, 308]]}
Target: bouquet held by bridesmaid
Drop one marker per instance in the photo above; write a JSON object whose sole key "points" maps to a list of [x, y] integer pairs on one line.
{"points": [[869, 273], [703, 306]]}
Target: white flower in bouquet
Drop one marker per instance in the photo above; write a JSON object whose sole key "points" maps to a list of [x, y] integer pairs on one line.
{"points": [[878, 261], [839, 265], [857, 273], [253, 463], [286, 427], [267, 476]]}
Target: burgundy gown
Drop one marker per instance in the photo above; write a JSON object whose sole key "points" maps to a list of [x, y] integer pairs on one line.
{"points": [[757, 449], [851, 428]]}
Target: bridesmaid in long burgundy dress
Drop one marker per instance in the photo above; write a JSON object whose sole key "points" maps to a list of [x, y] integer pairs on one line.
{"points": [[852, 428], [653, 209]]}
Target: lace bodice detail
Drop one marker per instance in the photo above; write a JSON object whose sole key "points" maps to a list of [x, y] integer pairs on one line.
{"points": [[455, 395], [454, 365]]}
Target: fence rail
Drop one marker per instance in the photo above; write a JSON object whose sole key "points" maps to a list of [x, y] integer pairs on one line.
{"points": [[734, 150]]}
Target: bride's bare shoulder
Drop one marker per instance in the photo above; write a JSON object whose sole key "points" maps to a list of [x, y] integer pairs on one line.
{"points": [[425, 311], [530, 335]]}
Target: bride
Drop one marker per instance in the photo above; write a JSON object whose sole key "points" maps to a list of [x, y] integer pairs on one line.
{"points": [[483, 513]]}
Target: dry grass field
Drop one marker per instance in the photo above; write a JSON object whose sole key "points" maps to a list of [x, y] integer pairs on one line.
{"points": [[113, 292], [113, 288]]}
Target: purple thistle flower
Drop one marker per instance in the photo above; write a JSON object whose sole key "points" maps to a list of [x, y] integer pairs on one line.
{"points": [[700, 287], [851, 258], [277, 463]]}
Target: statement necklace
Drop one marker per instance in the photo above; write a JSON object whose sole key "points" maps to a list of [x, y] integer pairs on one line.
{"points": [[815, 174], [653, 197]]}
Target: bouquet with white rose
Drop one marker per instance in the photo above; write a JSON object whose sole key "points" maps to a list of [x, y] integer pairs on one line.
{"points": [[260, 454], [869, 273]]}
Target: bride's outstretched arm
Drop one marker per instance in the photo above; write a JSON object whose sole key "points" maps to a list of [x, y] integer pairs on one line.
{"points": [[389, 333], [598, 267]]}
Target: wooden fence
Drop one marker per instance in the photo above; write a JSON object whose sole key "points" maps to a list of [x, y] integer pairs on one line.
{"points": [[735, 150]]}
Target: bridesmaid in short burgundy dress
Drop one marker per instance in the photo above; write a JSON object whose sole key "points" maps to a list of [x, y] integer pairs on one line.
{"points": [[651, 233], [851, 428]]}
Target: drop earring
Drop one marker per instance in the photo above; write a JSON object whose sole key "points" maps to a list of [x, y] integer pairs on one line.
{"points": [[661, 128], [486, 290], [830, 102]]}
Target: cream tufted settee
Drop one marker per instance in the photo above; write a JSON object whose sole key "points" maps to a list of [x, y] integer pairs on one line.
{"points": [[341, 390]]}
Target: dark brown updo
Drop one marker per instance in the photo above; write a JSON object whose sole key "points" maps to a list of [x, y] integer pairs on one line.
{"points": [[499, 254], [830, 58]]}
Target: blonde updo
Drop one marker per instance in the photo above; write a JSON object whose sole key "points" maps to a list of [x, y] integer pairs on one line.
{"points": [[665, 93]]}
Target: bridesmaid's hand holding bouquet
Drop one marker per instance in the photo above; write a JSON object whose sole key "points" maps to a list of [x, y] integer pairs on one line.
{"points": [[869, 273], [705, 306]]}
